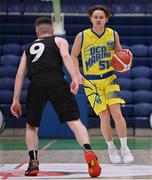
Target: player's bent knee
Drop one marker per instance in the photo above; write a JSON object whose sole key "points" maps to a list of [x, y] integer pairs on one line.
{"points": [[28, 126], [75, 124]]}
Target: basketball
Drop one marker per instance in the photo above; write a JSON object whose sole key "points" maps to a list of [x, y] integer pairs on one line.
{"points": [[122, 61]]}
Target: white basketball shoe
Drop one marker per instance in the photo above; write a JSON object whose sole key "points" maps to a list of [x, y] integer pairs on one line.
{"points": [[114, 155], [126, 155]]}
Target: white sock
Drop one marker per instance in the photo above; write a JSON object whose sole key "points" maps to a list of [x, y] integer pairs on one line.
{"points": [[110, 144], [123, 142]]}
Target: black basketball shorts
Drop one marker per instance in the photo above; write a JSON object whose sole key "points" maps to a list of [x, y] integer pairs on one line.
{"points": [[55, 91]]}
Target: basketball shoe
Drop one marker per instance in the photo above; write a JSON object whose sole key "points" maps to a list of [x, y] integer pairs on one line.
{"points": [[94, 168], [126, 155], [114, 155], [33, 168]]}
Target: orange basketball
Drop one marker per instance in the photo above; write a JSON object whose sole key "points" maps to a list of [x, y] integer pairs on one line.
{"points": [[122, 61]]}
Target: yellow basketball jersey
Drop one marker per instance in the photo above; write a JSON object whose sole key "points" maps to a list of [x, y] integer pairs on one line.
{"points": [[97, 51]]}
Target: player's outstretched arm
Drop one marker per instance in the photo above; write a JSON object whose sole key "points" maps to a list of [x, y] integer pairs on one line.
{"points": [[16, 107], [118, 46], [64, 51]]}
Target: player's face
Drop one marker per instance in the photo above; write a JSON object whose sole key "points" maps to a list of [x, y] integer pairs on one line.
{"points": [[98, 18]]}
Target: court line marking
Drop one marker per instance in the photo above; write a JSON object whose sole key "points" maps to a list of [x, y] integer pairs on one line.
{"points": [[40, 152], [79, 171]]}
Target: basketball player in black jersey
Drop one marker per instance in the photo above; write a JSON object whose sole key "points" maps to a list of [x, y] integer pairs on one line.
{"points": [[43, 61]]}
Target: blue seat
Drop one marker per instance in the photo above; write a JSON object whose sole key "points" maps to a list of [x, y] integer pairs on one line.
{"points": [[7, 84], [149, 8], [69, 8], [8, 71], [18, 39], [148, 31], [125, 20], [151, 73], [142, 96], [137, 8], [139, 50], [16, 8], [124, 74], [125, 46], [47, 7], [131, 40], [27, 39], [127, 96], [15, 1], [142, 112], [82, 7], [9, 38], [24, 47], [130, 1], [0, 49], [12, 49], [31, 1], [26, 83], [150, 51], [73, 29], [125, 83], [3, 8], [10, 28], [142, 109], [122, 29], [6, 97], [23, 97], [140, 71], [141, 84], [32, 7], [76, 20], [141, 61], [27, 28], [119, 8], [133, 30], [10, 60]]}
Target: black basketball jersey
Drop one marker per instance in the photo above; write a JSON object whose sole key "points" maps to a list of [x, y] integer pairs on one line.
{"points": [[43, 57]]}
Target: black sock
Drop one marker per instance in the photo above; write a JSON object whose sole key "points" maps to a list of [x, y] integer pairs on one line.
{"points": [[33, 155], [86, 147]]}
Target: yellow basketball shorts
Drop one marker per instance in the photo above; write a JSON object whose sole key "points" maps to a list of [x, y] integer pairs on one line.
{"points": [[102, 93]]}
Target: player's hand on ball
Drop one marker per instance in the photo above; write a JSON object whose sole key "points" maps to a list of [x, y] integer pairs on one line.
{"points": [[122, 60], [128, 52], [74, 86], [16, 109]]}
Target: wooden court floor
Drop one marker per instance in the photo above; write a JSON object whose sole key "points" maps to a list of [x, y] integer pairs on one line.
{"points": [[63, 159]]}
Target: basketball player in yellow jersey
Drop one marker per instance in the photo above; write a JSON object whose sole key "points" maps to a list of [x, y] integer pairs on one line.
{"points": [[97, 46]]}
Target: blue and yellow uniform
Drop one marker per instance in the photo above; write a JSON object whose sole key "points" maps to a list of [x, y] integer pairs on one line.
{"points": [[99, 83]]}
